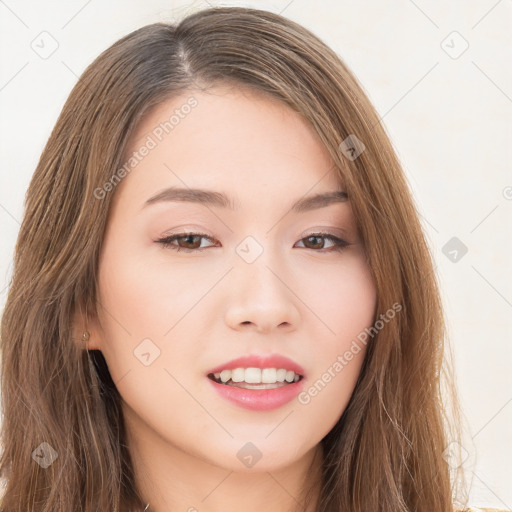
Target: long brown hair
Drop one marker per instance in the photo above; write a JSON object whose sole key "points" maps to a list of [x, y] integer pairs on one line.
{"points": [[386, 452]]}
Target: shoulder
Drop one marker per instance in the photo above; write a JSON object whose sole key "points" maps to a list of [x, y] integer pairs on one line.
{"points": [[477, 509]]}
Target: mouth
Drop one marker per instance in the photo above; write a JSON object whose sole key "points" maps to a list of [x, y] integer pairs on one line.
{"points": [[256, 378], [258, 382]]}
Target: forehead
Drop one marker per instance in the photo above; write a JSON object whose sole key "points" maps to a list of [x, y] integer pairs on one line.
{"points": [[228, 138]]}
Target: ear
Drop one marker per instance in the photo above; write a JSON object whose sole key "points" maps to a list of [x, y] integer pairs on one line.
{"points": [[81, 323]]}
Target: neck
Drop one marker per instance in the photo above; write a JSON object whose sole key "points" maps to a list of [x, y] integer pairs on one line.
{"points": [[171, 479]]}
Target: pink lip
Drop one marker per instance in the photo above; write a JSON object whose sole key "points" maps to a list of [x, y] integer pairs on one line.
{"points": [[255, 361], [259, 399]]}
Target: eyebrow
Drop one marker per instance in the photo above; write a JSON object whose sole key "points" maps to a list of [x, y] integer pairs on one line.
{"points": [[221, 200]]}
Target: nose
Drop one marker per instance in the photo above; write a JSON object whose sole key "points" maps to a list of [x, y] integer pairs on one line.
{"points": [[261, 299]]}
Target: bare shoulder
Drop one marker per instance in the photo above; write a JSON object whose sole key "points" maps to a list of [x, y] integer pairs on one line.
{"points": [[478, 509]]}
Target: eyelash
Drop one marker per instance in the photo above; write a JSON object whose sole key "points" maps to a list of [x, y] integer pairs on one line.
{"points": [[166, 242]]}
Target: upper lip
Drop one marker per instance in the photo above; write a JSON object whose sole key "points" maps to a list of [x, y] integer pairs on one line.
{"points": [[260, 361]]}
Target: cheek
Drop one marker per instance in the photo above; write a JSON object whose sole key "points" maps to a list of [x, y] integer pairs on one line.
{"points": [[346, 308], [343, 297], [328, 391], [141, 307], [331, 383], [143, 291], [141, 321]]}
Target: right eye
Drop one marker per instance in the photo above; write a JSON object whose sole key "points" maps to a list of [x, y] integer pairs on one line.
{"points": [[167, 242]]}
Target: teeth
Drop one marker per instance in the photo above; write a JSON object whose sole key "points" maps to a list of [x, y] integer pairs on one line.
{"points": [[225, 375], [257, 375], [268, 375], [280, 375]]}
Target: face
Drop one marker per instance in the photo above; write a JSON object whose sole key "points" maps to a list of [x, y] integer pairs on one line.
{"points": [[188, 283]]}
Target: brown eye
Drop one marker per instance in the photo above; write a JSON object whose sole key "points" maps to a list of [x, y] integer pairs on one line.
{"points": [[191, 242], [188, 242], [316, 241]]}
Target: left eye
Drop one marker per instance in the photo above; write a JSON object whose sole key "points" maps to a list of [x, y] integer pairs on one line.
{"points": [[339, 244], [191, 240]]}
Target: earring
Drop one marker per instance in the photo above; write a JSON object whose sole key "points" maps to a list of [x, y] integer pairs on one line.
{"points": [[86, 336]]}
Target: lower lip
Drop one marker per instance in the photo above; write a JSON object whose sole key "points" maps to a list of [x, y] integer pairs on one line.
{"points": [[259, 399]]}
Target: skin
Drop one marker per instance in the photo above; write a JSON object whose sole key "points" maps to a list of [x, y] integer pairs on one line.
{"points": [[296, 299]]}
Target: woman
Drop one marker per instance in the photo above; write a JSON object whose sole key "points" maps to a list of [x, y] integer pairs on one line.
{"points": [[222, 296]]}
